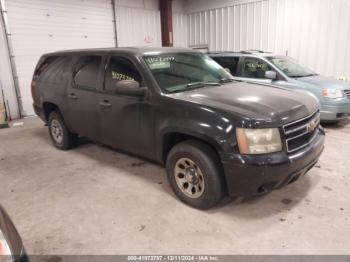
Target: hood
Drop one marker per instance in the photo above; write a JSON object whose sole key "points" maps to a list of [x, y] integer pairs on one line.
{"points": [[324, 82], [253, 102]]}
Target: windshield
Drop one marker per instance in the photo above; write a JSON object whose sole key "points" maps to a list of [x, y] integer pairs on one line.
{"points": [[184, 71], [290, 67]]}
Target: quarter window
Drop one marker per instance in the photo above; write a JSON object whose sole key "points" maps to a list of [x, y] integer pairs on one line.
{"points": [[254, 68], [120, 68], [44, 65], [86, 72], [56, 70]]}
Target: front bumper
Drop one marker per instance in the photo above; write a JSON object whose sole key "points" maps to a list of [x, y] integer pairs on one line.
{"points": [[336, 111], [248, 175]]}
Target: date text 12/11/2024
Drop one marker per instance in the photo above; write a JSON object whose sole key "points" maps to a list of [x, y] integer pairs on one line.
{"points": [[173, 258]]}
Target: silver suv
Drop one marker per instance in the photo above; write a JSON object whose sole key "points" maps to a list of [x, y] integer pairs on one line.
{"points": [[262, 67]]}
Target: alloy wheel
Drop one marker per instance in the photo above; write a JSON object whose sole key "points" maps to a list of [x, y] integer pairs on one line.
{"points": [[189, 178]]}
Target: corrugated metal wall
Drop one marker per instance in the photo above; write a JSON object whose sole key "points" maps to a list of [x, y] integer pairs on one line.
{"points": [[6, 78], [180, 29], [316, 32], [138, 27], [40, 26]]}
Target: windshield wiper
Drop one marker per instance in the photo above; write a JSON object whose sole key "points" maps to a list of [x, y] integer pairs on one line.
{"points": [[226, 80], [310, 75], [199, 84], [299, 76]]}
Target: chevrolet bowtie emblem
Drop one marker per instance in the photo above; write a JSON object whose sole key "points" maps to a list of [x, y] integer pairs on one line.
{"points": [[311, 126]]}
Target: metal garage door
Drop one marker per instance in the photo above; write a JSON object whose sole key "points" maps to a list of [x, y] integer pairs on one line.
{"points": [[39, 26]]}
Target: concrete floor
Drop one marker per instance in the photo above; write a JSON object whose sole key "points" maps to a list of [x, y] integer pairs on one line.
{"points": [[93, 200]]}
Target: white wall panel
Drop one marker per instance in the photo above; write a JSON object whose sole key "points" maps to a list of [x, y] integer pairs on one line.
{"points": [[180, 30], [6, 78], [140, 4], [138, 27], [40, 26], [316, 32]]}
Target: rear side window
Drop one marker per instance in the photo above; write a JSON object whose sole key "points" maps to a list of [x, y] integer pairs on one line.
{"points": [[229, 63], [44, 65], [87, 71], [56, 70]]}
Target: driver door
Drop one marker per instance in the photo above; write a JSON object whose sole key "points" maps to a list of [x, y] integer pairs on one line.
{"points": [[126, 121]]}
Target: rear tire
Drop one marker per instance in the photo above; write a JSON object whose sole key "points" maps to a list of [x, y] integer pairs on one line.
{"points": [[61, 137], [195, 174]]}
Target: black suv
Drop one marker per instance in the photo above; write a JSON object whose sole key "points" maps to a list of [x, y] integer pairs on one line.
{"points": [[178, 107]]}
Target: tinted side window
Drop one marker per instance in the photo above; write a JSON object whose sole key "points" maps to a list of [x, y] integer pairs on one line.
{"points": [[43, 66], [120, 68], [55, 72], [228, 62], [86, 72], [254, 68]]}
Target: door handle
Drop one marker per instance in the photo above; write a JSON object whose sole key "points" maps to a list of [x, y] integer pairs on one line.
{"points": [[105, 103], [72, 96]]}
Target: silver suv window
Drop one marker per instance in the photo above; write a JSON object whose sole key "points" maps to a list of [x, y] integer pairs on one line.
{"points": [[254, 68]]}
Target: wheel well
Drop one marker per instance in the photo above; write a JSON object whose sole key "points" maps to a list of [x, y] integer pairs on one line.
{"points": [[48, 108], [171, 139]]}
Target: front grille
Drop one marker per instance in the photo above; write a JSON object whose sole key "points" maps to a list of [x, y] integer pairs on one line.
{"points": [[300, 133], [347, 93]]}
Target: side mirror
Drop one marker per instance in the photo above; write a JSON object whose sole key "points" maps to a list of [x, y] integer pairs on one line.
{"points": [[130, 87], [227, 70], [271, 75]]}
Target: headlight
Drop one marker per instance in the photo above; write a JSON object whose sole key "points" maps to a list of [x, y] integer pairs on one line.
{"points": [[5, 251], [332, 93], [258, 141]]}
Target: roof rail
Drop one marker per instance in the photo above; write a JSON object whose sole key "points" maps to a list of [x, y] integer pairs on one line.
{"points": [[252, 51], [247, 52], [220, 52]]}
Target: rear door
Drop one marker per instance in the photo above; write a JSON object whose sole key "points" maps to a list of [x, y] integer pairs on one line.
{"points": [[126, 122], [83, 94]]}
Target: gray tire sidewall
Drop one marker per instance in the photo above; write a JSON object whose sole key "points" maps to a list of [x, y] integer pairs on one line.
{"points": [[65, 143], [207, 161]]}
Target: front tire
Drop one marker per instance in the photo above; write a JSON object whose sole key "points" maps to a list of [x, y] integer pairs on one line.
{"points": [[61, 137], [195, 174]]}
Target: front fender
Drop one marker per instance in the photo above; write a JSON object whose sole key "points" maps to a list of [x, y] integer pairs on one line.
{"points": [[220, 135]]}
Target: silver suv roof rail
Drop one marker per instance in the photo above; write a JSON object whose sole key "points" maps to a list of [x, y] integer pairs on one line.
{"points": [[252, 51], [246, 52]]}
